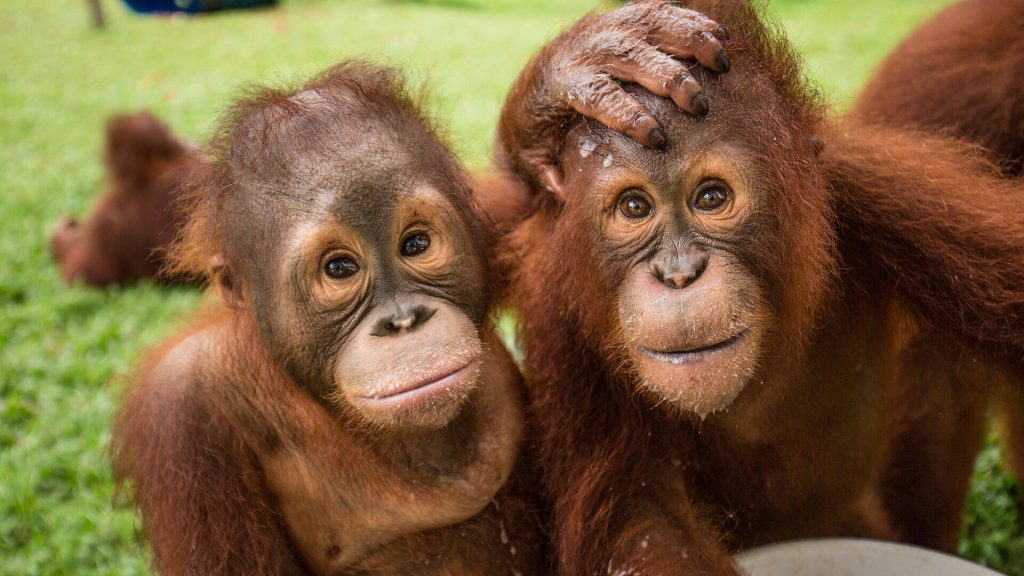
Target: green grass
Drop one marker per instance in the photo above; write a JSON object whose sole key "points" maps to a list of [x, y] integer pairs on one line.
{"points": [[63, 349]]}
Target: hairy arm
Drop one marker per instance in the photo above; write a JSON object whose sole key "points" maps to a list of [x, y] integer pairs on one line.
{"points": [[632, 518], [205, 508], [941, 223], [619, 500]]}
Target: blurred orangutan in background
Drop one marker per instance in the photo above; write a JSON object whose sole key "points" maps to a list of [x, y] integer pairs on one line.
{"points": [[123, 239]]}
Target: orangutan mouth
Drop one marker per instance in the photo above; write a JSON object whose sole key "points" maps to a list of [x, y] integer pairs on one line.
{"points": [[693, 354], [427, 386]]}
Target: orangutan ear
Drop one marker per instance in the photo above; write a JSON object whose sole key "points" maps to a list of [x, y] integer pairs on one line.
{"points": [[222, 279], [551, 178], [507, 200]]}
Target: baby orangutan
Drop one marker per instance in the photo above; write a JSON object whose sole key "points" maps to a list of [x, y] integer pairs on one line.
{"points": [[350, 411], [774, 326]]}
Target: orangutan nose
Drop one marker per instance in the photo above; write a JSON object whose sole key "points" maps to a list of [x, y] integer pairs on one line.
{"points": [[404, 318], [682, 266]]}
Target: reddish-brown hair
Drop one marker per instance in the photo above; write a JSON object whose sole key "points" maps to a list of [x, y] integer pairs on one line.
{"points": [[833, 189], [265, 132]]}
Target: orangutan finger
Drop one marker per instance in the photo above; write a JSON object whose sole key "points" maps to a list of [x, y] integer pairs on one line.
{"points": [[662, 75], [694, 37], [605, 101]]}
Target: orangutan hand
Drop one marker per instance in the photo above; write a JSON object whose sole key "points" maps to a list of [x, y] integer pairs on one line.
{"points": [[641, 42], [65, 234], [580, 71]]}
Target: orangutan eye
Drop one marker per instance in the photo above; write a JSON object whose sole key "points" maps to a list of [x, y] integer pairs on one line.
{"points": [[634, 206], [712, 198], [340, 267], [415, 244]]}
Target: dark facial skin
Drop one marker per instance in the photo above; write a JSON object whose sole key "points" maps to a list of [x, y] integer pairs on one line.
{"points": [[671, 228], [382, 274]]}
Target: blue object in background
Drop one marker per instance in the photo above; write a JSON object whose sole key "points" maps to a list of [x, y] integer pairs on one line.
{"points": [[192, 6]]}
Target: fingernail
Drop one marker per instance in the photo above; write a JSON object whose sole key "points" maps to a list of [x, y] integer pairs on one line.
{"points": [[699, 104], [657, 138], [681, 78], [722, 61]]}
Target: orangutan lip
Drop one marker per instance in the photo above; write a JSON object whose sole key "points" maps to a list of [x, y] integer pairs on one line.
{"points": [[685, 356], [423, 386]]}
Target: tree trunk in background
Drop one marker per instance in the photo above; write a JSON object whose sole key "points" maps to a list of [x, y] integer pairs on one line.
{"points": [[96, 11]]}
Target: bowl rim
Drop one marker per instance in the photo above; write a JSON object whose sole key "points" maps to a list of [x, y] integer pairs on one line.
{"points": [[773, 554]]}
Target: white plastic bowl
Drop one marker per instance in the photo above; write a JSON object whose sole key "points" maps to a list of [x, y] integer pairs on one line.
{"points": [[847, 557]]}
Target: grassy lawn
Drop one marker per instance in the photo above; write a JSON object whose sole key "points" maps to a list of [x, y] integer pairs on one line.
{"points": [[64, 351]]}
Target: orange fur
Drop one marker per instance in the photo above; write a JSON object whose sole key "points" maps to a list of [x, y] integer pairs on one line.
{"points": [[134, 221], [243, 453], [959, 74], [962, 74], [893, 263]]}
